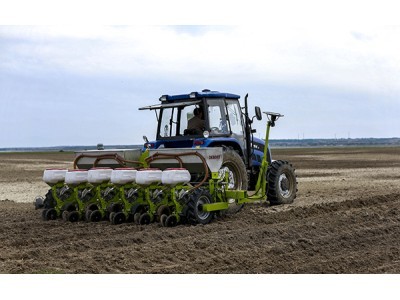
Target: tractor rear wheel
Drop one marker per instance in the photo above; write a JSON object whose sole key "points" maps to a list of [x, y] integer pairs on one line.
{"points": [[237, 173], [195, 213], [281, 183], [237, 176]]}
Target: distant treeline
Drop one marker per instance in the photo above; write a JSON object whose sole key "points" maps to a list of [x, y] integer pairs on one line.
{"points": [[336, 142], [273, 143], [66, 148]]}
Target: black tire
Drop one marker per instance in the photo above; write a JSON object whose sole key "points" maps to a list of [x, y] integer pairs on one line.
{"points": [[73, 216], [162, 210], [194, 213], [51, 214], [87, 215], [163, 218], [171, 221], [144, 219], [281, 183], [95, 216], [118, 218], [111, 216]]}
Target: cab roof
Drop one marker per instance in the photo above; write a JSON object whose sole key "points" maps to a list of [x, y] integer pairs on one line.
{"points": [[198, 95]]}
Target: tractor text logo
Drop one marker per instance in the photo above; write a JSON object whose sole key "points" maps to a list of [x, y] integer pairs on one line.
{"points": [[214, 156]]}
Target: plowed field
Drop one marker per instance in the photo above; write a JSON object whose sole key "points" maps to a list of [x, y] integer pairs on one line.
{"points": [[346, 219]]}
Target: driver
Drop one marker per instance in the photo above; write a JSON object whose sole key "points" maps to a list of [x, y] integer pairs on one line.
{"points": [[197, 123]]}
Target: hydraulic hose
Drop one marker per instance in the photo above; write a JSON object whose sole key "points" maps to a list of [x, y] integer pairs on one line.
{"points": [[164, 155], [116, 157]]}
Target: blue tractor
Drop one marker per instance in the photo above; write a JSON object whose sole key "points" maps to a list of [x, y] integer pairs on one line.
{"points": [[214, 119]]}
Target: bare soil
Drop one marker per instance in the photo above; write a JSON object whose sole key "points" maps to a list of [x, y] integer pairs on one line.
{"points": [[346, 219]]}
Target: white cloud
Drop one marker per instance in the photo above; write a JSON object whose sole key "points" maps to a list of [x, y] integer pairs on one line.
{"points": [[360, 59]]}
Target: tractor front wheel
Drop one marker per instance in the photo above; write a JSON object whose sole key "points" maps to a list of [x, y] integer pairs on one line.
{"points": [[281, 183]]}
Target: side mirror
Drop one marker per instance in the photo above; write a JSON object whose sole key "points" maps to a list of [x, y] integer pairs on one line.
{"points": [[258, 113]]}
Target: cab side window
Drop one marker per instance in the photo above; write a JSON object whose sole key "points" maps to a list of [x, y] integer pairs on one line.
{"points": [[217, 117], [235, 117]]}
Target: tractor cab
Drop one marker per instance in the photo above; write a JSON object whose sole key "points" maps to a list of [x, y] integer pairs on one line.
{"points": [[199, 114]]}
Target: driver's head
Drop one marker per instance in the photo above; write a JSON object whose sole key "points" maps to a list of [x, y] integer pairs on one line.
{"points": [[198, 111]]}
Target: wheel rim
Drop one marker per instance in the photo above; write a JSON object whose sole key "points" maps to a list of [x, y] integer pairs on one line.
{"points": [[284, 186], [202, 215], [232, 180]]}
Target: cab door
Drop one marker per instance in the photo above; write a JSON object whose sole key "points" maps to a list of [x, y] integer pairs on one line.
{"points": [[235, 121]]}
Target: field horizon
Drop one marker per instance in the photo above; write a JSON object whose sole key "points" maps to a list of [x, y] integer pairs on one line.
{"points": [[274, 143]]}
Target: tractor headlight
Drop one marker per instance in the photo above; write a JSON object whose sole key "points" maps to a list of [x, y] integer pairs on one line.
{"points": [[206, 134]]}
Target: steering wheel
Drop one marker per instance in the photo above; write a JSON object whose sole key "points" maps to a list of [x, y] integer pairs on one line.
{"points": [[215, 129]]}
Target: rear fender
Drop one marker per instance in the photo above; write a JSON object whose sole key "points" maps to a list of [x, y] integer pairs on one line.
{"points": [[226, 143]]}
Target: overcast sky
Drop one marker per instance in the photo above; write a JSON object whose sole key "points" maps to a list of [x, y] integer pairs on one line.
{"points": [[83, 84]]}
